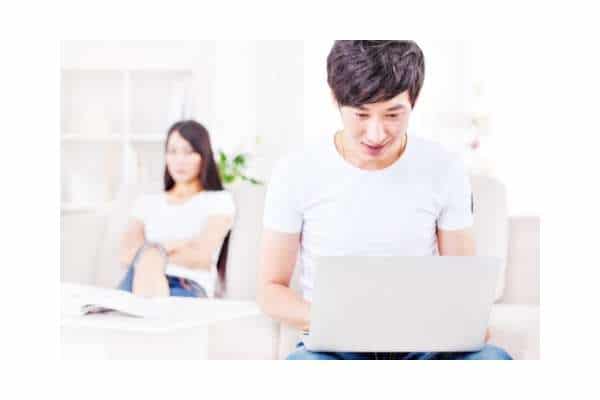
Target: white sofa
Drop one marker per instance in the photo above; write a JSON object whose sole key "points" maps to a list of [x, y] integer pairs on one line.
{"points": [[515, 316]]}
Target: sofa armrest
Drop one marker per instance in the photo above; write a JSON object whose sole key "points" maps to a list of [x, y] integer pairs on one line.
{"points": [[288, 338], [516, 329], [523, 263]]}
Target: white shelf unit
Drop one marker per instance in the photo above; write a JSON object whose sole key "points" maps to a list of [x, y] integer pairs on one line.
{"points": [[113, 128], [85, 207]]}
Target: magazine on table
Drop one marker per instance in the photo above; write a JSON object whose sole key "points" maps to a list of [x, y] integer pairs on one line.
{"points": [[79, 299]]}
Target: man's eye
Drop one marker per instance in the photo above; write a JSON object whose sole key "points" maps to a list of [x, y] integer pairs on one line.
{"points": [[360, 115], [392, 115]]}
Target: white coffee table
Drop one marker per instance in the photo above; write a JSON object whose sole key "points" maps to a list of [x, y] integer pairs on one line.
{"points": [[118, 336]]}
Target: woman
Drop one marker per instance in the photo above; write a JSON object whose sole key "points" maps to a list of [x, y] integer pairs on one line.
{"points": [[176, 241]]}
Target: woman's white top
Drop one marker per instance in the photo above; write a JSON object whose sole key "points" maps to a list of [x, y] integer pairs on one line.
{"points": [[164, 221]]}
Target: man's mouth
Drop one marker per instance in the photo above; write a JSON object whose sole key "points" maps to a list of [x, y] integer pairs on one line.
{"points": [[373, 150]]}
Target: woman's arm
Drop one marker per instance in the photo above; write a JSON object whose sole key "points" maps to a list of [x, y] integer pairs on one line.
{"points": [[198, 252], [132, 240]]}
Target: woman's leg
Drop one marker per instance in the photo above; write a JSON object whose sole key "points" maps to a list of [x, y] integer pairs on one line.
{"points": [[127, 282], [176, 288], [149, 278], [190, 289]]}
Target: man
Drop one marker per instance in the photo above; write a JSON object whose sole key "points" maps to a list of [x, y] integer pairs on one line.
{"points": [[371, 189]]}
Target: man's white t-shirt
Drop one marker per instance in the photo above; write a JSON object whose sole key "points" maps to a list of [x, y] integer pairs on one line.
{"points": [[164, 221], [343, 210]]}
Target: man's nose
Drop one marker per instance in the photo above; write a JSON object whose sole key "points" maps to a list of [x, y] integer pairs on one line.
{"points": [[375, 133]]}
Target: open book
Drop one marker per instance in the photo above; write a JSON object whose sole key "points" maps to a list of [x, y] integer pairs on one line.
{"points": [[79, 299]]}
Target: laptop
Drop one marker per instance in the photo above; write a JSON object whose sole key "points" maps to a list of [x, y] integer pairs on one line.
{"points": [[401, 304]]}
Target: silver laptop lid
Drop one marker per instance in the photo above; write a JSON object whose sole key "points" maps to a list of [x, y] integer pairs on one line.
{"points": [[401, 304]]}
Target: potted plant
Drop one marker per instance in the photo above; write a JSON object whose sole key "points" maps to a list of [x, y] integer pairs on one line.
{"points": [[233, 168]]}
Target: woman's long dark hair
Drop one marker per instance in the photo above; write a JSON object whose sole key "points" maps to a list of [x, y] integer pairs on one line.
{"points": [[197, 136]]}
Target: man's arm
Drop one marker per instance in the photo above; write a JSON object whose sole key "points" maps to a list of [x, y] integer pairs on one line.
{"points": [[459, 242], [275, 297]]}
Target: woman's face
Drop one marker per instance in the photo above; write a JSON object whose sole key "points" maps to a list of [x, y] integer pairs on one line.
{"points": [[183, 162]]}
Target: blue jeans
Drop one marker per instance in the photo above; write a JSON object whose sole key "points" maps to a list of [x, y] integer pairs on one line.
{"points": [[175, 287], [488, 352]]}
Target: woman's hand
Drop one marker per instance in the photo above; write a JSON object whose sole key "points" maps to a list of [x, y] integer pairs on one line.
{"points": [[185, 284], [173, 245], [487, 335]]}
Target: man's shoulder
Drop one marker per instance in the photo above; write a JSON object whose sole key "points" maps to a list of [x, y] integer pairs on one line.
{"points": [[433, 153]]}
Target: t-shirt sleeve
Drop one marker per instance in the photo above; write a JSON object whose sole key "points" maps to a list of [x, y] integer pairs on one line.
{"points": [[138, 210], [457, 211], [282, 211], [223, 204]]}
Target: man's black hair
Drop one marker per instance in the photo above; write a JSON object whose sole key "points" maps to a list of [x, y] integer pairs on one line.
{"points": [[368, 71]]}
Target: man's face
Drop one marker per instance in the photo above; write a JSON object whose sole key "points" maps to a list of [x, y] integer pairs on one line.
{"points": [[373, 133]]}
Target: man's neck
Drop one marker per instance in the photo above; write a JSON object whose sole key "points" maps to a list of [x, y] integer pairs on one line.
{"points": [[349, 156]]}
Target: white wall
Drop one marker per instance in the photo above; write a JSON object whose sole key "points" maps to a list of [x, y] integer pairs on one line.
{"points": [[258, 100], [513, 71], [242, 89]]}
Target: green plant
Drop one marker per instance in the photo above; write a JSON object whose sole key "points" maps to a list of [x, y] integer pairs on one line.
{"points": [[231, 169]]}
